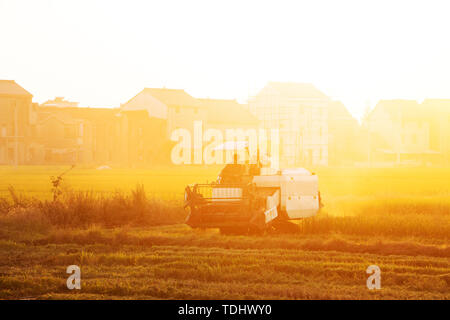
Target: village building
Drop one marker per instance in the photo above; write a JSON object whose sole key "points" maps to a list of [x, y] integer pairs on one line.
{"points": [[399, 133], [75, 135], [226, 114], [175, 106], [438, 111], [345, 145], [16, 120], [98, 136], [181, 111], [299, 112], [59, 102], [314, 129]]}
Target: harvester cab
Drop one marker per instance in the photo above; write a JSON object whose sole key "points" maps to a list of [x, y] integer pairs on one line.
{"points": [[252, 198]]}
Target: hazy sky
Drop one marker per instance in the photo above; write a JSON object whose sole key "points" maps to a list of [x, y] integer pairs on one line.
{"points": [[101, 53]]}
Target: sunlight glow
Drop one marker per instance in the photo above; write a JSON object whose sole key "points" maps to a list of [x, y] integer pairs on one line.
{"points": [[101, 52]]}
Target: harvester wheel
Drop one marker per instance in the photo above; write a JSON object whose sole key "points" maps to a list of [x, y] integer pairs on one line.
{"points": [[258, 224], [255, 231], [234, 231], [279, 226]]}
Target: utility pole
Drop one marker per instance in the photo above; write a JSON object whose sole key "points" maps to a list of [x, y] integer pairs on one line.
{"points": [[16, 135], [366, 120], [369, 149]]}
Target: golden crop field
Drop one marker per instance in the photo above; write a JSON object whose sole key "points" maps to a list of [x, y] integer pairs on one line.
{"points": [[124, 228]]}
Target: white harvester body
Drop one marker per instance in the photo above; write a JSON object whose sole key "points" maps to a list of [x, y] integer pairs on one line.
{"points": [[299, 191]]}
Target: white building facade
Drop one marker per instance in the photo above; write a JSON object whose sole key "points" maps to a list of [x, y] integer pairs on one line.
{"points": [[300, 112]]}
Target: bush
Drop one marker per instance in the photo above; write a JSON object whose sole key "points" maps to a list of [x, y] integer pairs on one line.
{"points": [[81, 209]]}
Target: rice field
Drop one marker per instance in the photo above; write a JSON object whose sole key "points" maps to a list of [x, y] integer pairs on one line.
{"points": [[139, 248]]}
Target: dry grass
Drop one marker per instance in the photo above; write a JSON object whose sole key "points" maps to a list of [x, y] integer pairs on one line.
{"points": [[173, 262], [398, 219], [388, 218], [82, 209]]}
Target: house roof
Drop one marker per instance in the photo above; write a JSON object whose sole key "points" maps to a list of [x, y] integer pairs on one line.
{"points": [[437, 106], [10, 87], [135, 113], [77, 113], [63, 118], [59, 102], [228, 112], [405, 109], [338, 112], [173, 97], [295, 90], [338, 109]]}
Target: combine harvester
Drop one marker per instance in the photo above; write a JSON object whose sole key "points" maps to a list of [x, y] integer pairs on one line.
{"points": [[250, 198]]}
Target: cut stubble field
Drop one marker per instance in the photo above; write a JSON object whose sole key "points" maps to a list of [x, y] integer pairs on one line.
{"points": [[130, 242]]}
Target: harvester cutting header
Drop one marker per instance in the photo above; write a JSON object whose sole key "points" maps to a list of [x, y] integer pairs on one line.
{"points": [[253, 198]]}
